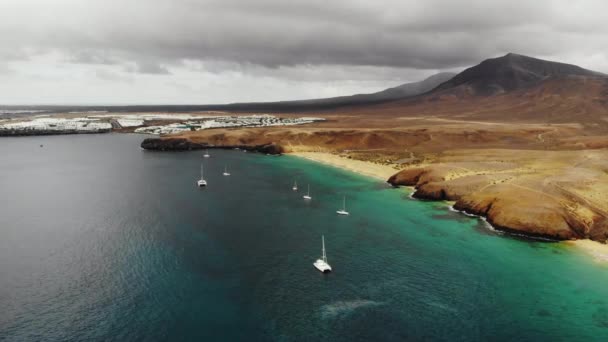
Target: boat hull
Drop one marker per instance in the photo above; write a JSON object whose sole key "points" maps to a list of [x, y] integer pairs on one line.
{"points": [[322, 266]]}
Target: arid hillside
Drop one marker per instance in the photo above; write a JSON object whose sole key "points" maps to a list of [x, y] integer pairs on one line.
{"points": [[510, 89], [574, 100]]}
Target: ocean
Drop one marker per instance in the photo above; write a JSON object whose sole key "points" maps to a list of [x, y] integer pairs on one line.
{"points": [[102, 241]]}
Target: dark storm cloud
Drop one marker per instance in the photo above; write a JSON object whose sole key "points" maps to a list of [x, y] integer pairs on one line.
{"points": [[435, 34]]}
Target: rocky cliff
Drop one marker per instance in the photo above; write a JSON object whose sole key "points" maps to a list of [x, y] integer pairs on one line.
{"points": [[180, 144], [504, 199]]}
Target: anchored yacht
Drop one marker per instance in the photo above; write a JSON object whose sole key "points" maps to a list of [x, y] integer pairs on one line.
{"points": [[321, 264], [307, 196], [343, 210]]}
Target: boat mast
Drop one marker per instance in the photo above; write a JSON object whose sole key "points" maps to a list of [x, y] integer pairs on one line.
{"points": [[344, 204], [323, 242], [202, 172], [308, 193]]}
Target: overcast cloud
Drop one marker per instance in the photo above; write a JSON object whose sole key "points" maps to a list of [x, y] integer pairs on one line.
{"points": [[207, 51]]}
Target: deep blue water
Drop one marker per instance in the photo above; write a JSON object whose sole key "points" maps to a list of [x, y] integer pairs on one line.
{"points": [[100, 241]]}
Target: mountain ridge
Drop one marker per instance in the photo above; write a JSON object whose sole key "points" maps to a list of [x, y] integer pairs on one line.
{"points": [[509, 73], [400, 92]]}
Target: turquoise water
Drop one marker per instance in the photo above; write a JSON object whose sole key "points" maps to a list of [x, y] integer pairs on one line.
{"points": [[100, 240]]}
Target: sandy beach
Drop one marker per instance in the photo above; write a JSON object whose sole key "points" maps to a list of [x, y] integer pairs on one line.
{"points": [[597, 250], [378, 171]]}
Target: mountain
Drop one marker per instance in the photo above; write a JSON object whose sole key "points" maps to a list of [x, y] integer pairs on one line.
{"points": [[508, 73], [503, 75], [512, 88], [391, 94]]}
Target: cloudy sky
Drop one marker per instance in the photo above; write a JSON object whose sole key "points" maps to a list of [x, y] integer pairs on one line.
{"points": [[208, 51]]}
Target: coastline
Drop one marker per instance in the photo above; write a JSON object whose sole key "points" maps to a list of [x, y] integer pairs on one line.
{"points": [[380, 172], [597, 250]]}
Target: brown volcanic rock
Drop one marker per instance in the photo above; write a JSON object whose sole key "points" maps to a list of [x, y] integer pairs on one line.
{"points": [[558, 195], [170, 144], [431, 182], [271, 148], [182, 144], [527, 213], [509, 209], [408, 177]]}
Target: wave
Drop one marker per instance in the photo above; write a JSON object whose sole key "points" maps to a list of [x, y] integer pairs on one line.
{"points": [[343, 308], [482, 218], [411, 195], [451, 208], [442, 306], [489, 226]]}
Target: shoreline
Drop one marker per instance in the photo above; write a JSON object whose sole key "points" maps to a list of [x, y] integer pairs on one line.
{"points": [[380, 172], [597, 250]]}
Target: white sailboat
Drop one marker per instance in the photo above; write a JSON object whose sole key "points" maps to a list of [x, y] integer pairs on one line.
{"points": [[295, 186], [226, 171], [206, 155], [321, 264], [343, 210], [201, 182], [307, 196]]}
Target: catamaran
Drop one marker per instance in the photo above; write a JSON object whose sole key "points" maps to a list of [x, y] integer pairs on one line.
{"points": [[201, 182], [343, 210], [206, 155], [307, 196], [226, 171], [295, 186], [321, 264]]}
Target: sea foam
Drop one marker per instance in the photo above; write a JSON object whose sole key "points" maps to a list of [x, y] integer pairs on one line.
{"points": [[342, 308]]}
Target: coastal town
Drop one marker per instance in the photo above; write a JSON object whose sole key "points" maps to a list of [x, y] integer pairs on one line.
{"points": [[145, 123]]}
